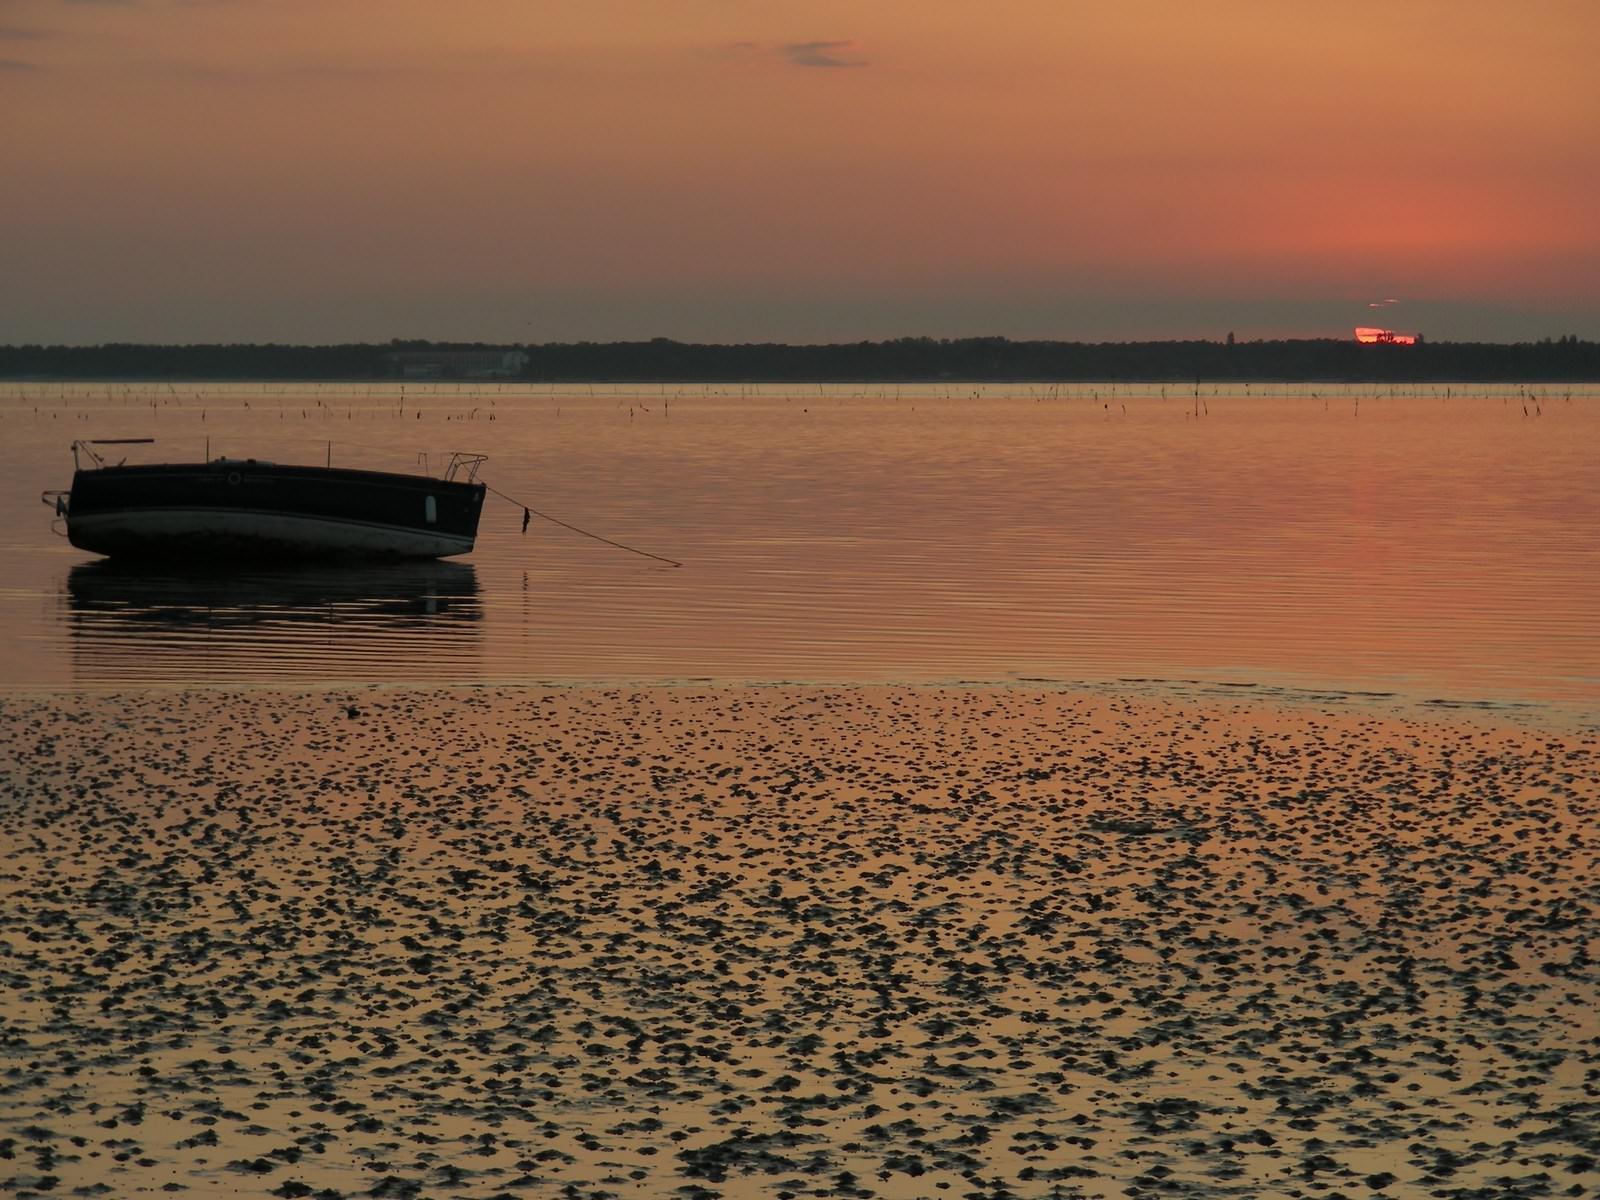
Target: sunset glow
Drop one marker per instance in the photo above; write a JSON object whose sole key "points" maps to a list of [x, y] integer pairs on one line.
{"points": [[1368, 336], [325, 169]]}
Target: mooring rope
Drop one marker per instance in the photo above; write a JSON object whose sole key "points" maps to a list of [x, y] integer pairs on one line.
{"points": [[529, 510]]}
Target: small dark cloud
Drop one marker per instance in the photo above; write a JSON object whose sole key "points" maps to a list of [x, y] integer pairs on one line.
{"points": [[820, 54], [16, 64], [836, 53], [21, 35]]}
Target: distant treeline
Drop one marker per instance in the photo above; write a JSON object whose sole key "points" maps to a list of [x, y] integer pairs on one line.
{"points": [[1565, 359]]}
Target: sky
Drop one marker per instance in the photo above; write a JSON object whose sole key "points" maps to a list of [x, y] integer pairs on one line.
{"points": [[796, 170]]}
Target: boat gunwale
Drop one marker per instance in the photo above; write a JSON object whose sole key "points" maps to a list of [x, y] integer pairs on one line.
{"points": [[254, 466]]}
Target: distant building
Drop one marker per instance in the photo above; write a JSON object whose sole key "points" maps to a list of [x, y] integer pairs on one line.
{"points": [[1368, 336], [456, 364]]}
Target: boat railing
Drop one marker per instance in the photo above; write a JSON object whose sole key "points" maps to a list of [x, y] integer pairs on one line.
{"points": [[462, 467], [468, 463], [85, 446]]}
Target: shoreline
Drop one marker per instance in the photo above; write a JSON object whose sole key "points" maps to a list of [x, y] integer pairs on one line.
{"points": [[915, 361], [1571, 717]]}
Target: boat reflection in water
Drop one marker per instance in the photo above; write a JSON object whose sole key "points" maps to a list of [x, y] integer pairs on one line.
{"points": [[271, 624]]}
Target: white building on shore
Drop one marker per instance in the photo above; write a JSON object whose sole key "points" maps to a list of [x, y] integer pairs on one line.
{"points": [[487, 363]]}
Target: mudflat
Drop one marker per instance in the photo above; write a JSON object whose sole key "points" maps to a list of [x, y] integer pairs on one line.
{"points": [[792, 941]]}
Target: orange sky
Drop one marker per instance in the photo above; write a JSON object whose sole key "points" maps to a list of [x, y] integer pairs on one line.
{"points": [[728, 169]]}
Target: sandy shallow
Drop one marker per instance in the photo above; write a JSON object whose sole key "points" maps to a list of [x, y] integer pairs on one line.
{"points": [[787, 942]]}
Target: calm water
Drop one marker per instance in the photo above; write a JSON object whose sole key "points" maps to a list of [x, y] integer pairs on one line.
{"points": [[1436, 543]]}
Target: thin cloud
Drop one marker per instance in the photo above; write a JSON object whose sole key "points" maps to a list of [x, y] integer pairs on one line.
{"points": [[820, 54], [297, 68], [730, 52], [16, 64]]}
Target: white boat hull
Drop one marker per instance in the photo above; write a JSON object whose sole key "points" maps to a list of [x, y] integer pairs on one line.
{"points": [[199, 532]]}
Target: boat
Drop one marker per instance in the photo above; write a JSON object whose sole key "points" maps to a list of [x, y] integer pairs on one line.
{"points": [[252, 508]]}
